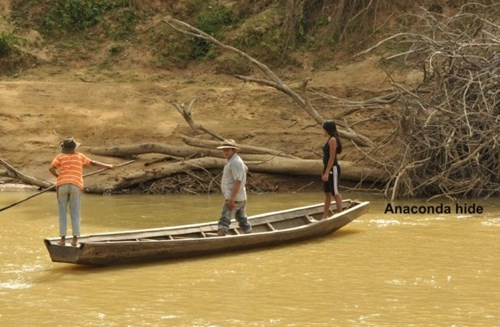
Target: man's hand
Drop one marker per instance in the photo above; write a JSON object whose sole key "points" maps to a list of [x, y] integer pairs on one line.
{"points": [[230, 203]]}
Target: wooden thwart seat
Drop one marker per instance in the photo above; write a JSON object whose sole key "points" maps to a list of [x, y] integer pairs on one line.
{"points": [[310, 218]]}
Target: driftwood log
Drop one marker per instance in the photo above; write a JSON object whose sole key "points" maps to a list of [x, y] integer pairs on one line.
{"points": [[267, 165], [196, 159], [198, 148], [14, 173], [243, 148], [258, 163], [133, 150]]}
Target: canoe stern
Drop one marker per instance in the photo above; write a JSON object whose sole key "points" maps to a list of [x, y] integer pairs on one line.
{"points": [[59, 253]]}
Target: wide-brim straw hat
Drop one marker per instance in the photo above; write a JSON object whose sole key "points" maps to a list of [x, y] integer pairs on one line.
{"points": [[228, 144], [69, 145]]}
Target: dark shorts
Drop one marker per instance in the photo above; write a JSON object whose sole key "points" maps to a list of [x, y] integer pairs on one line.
{"points": [[332, 186]]}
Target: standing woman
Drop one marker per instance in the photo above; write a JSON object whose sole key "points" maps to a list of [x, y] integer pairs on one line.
{"points": [[67, 167], [331, 167]]}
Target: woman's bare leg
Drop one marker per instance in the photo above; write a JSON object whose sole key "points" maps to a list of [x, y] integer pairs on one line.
{"points": [[338, 201], [326, 208]]}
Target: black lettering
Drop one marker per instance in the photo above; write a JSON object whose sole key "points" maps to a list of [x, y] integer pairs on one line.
{"points": [[438, 209], [471, 209], [388, 208]]}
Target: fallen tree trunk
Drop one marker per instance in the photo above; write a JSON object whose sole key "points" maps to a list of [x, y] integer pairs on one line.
{"points": [[196, 148], [264, 164], [126, 151], [310, 167], [14, 173], [193, 160], [243, 148], [146, 175]]}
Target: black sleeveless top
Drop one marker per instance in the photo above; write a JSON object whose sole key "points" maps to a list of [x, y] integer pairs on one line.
{"points": [[326, 154]]}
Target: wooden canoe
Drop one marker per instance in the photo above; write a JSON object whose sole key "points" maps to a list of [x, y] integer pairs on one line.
{"points": [[268, 229]]}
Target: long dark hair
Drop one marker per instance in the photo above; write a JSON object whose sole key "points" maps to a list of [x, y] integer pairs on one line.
{"points": [[330, 127]]}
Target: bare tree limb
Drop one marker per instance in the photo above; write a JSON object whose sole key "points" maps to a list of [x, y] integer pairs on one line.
{"points": [[12, 172], [450, 131], [186, 114], [243, 148], [271, 165], [126, 151], [274, 81]]}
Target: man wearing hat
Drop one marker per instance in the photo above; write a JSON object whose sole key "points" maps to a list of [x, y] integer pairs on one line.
{"points": [[233, 188], [67, 167]]}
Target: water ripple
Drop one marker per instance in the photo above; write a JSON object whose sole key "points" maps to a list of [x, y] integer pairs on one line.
{"points": [[15, 285], [495, 222], [385, 222]]}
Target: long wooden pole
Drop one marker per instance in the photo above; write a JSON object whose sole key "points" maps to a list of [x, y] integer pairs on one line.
{"points": [[53, 186]]}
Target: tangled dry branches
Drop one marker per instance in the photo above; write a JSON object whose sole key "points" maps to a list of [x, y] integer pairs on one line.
{"points": [[449, 125]]}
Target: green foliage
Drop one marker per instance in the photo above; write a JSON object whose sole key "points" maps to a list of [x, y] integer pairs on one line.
{"points": [[127, 20], [116, 50], [300, 30], [262, 37], [201, 48], [175, 55], [121, 23], [211, 21], [7, 42], [76, 15]]}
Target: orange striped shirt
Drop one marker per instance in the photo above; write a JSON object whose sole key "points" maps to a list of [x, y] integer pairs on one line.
{"points": [[70, 166]]}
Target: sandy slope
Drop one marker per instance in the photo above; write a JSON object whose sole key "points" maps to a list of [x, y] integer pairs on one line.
{"points": [[38, 109]]}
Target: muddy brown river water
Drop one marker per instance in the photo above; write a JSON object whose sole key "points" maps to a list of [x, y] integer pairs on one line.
{"points": [[387, 268]]}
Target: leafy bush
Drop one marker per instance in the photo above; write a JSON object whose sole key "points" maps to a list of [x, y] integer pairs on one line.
{"points": [[127, 20], [77, 15], [211, 21], [7, 42]]}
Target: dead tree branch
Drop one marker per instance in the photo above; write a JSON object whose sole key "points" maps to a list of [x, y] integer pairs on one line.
{"points": [[14, 173], [243, 148], [186, 114], [450, 131], [132, 150], [274, 80]]}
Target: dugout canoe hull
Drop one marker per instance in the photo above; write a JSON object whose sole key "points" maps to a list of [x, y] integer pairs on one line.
{"points": [[268, 229]]}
